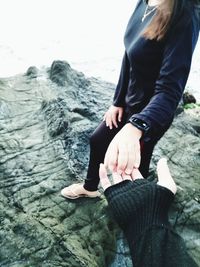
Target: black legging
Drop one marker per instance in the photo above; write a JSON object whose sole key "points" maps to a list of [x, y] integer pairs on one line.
{"points": [[99, 142]]}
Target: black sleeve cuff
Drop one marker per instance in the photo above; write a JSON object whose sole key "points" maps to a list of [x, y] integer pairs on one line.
{"points": [[139, 205]]}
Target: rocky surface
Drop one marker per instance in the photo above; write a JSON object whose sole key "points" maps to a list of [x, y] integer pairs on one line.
{"points": [[46, 117]]}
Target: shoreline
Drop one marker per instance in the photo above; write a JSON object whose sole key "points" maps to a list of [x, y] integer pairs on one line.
{"points": [[107, 69]]}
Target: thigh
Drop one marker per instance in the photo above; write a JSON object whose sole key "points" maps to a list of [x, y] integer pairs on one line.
{"points": [[104, 135], [147, 151]]}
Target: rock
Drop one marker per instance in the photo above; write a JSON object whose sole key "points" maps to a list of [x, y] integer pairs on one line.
{"points": [[32, 72], [60, 72], [45, 125], [44, 132], [188, 98], [179, 110], [56, 116]]}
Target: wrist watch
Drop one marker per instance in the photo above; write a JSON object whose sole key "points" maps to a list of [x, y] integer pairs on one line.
{"points": [[140, 124]]}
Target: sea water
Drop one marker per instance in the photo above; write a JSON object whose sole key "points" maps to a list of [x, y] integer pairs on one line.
{"points": [[88, 34]]}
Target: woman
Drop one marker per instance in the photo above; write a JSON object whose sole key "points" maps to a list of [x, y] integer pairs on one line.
{"points": [[159, 42], [141, 209]]}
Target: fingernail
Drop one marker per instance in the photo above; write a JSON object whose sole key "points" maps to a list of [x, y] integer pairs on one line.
{"points": [[128, 171]]}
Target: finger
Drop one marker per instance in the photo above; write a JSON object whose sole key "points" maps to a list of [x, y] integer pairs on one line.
{"points": [[111, 156], [106, 120], [164, 176], [109, 121], [105, 183], [117, 178], [137, 155], [136, 174], [122, 158], [114, 120], [120, 114], [106, 158], [131, 160], [126, 177]]}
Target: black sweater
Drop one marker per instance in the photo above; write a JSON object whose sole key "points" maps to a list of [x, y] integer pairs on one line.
{"points": [[141, 210], [154, 73]]}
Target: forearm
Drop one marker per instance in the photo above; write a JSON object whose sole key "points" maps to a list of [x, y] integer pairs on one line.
{"points": [[141, 210], [160, 247], [159, 113]]}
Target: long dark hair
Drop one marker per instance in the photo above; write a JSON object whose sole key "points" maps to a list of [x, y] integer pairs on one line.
{"points": [[167, 12]]}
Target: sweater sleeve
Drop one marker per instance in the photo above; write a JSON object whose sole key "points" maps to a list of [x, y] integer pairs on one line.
{"points": [[121, 88], [161, 247], [174, 71], [141, 210]]}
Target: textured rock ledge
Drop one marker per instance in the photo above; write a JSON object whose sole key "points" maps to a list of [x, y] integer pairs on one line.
{"points": [[46, 117]]}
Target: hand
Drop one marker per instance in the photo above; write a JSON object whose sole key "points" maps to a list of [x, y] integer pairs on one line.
{"points": [[112, 116], [123, 153], [116, 177], [164, 176], [134, 199]]}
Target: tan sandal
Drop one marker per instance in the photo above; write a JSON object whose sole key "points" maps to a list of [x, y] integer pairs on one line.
{"points": [[75, 191]]}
